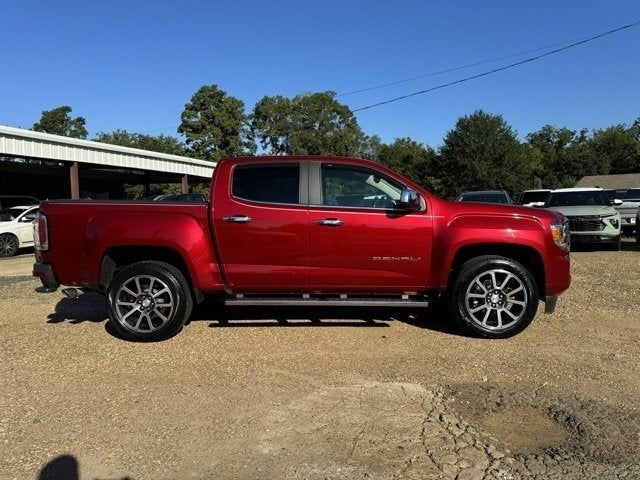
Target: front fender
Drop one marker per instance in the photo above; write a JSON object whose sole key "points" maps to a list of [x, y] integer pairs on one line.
{"points": [[466, 230]]}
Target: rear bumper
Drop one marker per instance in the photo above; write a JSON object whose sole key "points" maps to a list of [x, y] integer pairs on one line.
{"points": [[45, 273]]}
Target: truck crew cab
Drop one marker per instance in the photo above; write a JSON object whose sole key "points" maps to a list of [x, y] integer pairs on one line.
{"points": [[306, 230]]}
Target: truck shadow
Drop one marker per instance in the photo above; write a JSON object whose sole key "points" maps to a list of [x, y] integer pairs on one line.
{"points": [[310, 317], [92, 307]]}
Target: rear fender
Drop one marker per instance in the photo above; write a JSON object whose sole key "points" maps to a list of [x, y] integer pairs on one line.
{"points": [[183, 234]]}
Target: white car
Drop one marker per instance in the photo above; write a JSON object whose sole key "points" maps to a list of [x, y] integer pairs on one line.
{"points": [[16, 229], [533, 198], [590, 213]]}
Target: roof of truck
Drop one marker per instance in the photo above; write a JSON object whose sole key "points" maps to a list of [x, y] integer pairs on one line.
{"points": [[577, 189]]}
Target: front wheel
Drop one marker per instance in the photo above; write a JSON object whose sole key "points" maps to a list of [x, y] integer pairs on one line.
{"points": [[493, 297], [8, 245], [149, 301]]}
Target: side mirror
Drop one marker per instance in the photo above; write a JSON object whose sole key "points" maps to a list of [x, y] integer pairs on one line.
{"points": [[27, 219], [617, 202], [409, 200]]}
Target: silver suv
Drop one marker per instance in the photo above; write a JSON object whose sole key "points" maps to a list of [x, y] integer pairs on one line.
{"points": [[591, 216], [627, 203]]}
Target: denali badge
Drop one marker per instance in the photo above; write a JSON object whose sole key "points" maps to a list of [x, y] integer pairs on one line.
{"points": [[396, 259]]}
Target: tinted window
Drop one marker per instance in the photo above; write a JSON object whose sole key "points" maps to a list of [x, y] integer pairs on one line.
{"points": [[350, 186], [594, 197], [530, 197], [630, 194], [484, 197], [267, 183], [195, 197]]}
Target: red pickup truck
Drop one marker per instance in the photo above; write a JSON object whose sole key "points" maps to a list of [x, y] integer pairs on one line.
{"points": [[306, 231]]}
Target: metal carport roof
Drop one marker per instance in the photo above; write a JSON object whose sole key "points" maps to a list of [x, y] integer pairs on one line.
{"points": [[17, 142]]}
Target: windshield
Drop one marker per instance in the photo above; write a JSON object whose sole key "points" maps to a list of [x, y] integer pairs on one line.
{"points": [[530, 197], [589, 197], [484, 197]]}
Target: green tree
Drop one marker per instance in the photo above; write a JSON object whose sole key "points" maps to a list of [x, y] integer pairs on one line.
{"points": [[413, 160], [215, 125], [159, 143], [312, 124], [619, 147], [271, 124], [565, 156], [483, 152], [370, 147], [59, 122]]}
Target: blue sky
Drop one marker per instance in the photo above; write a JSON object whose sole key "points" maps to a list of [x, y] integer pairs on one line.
{"points": [[134, 64]]}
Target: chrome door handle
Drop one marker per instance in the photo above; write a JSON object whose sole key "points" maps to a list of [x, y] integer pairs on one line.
{"points": [[237, 219], [330, 222]]}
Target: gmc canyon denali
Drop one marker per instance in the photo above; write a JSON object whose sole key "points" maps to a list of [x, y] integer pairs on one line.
{"points": [[306, 230]]}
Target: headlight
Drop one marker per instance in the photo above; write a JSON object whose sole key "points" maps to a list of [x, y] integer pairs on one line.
{"points": [[615, 223], [561, 235]]}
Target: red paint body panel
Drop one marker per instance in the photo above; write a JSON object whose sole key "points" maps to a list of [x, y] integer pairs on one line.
{"points": [[268, 254], [371, 251], [283, 249], [81, 232]]}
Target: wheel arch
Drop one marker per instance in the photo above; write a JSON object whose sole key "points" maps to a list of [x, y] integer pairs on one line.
{"points": [[117, 257], [527, 256]]}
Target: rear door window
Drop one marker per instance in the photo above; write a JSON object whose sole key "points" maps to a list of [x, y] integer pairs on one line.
{"points": [[267, 183]]}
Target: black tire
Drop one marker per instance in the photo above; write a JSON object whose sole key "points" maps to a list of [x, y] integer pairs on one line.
{"points": [[638, 236], [465, 286], [617, 246], [8, 245], [158, 321]]}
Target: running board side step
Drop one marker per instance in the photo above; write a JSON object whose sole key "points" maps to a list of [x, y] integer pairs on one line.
{"points": [[342, 301]]}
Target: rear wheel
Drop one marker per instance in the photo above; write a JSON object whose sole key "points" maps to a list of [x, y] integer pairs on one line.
{"points": [[493, 297], [8, 245], [149, 301]]}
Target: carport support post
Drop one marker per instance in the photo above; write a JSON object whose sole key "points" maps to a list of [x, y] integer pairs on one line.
{"points": [[75, 183], [185, 184]]}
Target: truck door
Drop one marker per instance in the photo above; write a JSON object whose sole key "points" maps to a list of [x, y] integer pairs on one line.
{"points": [[359, 241], [261, 225]]}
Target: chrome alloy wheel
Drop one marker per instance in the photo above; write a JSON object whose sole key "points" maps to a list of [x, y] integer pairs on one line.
{"points": [[144, 304], [496, 299]]}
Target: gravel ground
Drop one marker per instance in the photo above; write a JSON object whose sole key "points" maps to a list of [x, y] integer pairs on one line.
{"points": [[338, 394]]}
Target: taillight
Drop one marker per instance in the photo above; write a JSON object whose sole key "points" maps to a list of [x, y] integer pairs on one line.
{"points": [[41, 232]]}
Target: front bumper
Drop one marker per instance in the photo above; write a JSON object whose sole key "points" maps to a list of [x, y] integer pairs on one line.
{"points": [[45, 273], [580, 238], [628, 223]]}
